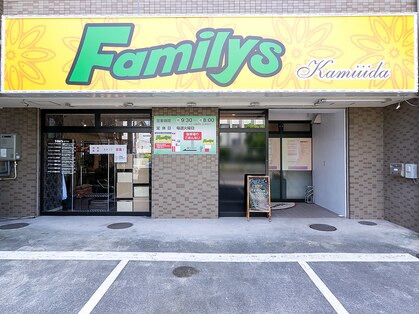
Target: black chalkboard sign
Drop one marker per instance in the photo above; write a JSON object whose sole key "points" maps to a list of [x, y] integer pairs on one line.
{"points": [[258, 195]]}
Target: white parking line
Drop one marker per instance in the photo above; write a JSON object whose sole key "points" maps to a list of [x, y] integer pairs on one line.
{"points": [[208, 257], [104, 287], [125, 257], [330, 297]]}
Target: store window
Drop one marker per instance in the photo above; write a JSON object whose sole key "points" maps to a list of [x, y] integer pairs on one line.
{"points": [[242, 119], [76, 120], [125, 120], [101, 169]]}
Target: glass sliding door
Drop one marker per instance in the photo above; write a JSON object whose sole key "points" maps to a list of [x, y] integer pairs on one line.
{"points": [[82, 171], [93, 188], [243, 140], [296, 167]]}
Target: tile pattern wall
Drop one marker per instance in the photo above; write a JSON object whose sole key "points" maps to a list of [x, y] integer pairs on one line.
{"points": [[366, 153], [401, 144], [185, 186], [18, 198], [67, 7], [274, 7]]}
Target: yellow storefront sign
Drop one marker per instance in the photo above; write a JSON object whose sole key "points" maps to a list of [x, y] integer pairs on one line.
{"points": [[210, 54]]}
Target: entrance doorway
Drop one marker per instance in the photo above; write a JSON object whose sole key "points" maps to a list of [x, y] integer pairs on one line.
{"points": [[290, 160], [298, 149], [308, 147], [96, 163], [243, 150]]}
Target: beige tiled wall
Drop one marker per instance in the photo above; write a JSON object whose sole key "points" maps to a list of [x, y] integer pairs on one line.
{"points": [[269, 6], [366, 153], [18, 198], [401, 144], [67, 7], [185, 186]]}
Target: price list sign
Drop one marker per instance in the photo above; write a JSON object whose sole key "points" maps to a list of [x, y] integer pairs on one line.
{"points": [[60, 157]]}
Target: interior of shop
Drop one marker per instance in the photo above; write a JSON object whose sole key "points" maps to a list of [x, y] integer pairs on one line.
{"points": [[302, 151], [82, 172]]}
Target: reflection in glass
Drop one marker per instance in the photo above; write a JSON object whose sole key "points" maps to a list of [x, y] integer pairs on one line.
{"points": [[242, 119], [80, 120], [125, 120], [240, 154], [98, 184], [295, 184]]}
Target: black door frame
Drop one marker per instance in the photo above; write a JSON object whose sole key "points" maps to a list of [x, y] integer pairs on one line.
{"points": [[241, 130], [90, 129]]}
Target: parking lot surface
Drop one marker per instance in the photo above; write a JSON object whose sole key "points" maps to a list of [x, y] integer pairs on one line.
{"points": [[79, 265]]}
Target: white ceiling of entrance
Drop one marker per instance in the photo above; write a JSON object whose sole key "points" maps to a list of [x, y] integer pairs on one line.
{"points": [[221, 100]]}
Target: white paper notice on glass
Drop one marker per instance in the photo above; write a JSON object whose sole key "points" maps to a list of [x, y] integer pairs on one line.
{"points": [[119, 151], [120, 154], [3, 153]]}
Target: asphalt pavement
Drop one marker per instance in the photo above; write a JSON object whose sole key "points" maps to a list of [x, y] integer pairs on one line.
{"points": [[228, 265]]}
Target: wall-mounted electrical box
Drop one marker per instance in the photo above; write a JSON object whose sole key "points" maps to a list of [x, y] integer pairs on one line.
{"points": [[397, 169], [411, 171], [10, 148]]}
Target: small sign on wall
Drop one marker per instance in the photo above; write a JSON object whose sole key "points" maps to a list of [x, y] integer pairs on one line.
{"points": [[175, 135]]}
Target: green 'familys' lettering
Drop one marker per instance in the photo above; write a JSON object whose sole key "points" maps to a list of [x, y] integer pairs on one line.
{"points": [[90, 55], [218, 52]]}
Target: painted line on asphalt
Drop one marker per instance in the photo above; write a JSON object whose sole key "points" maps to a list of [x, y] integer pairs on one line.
{"points": [[103, 288], [207, 257], [330, 297]]}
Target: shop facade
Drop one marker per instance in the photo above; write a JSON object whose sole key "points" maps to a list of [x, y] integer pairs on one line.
{"points": [[111, 124]]}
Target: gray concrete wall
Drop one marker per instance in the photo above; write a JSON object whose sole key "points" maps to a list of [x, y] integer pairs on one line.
{"points": [[401, 144], [67, 7], [19, 198], [366, 153], [185, 186]]}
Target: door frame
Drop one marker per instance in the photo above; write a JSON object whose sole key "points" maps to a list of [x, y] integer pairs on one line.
{"points": [[241, 130]]}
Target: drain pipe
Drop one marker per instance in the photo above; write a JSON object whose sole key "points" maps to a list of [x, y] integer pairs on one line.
{"points": [[15, 173]]}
